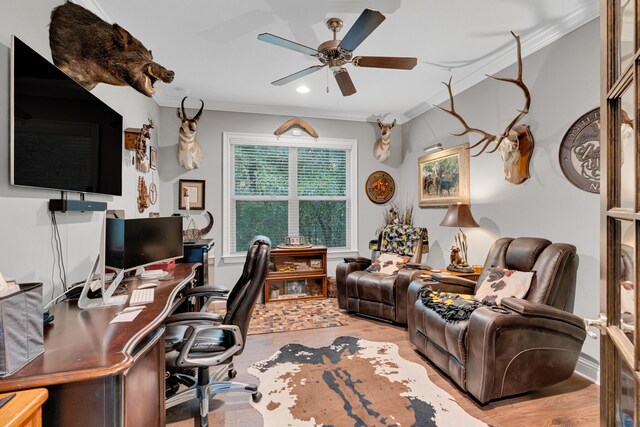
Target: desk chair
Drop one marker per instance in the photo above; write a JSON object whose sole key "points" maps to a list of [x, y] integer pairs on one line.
{"points": [[203, 340]]}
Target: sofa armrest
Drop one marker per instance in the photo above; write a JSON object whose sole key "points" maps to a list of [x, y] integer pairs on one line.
{"points": [[359, 260], [406, 276], [528, 308], [412, 297], [342, 271], [418, 266], [511, 353]]}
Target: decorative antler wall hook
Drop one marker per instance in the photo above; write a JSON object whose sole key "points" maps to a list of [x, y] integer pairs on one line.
{"points": [[515, 145]]}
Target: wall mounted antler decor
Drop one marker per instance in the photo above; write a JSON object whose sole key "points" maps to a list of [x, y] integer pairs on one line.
{"points": [[515, 145], [296, 122], [382, 147], [189, 152]]}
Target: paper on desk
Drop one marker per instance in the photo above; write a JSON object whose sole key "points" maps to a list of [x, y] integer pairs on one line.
{"points": [[126, 316]]}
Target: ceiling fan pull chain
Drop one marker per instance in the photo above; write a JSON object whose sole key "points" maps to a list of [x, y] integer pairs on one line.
{"points": [[327, 80]]}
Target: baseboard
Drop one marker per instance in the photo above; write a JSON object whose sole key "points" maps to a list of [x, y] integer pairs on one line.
{"points": [[588, 368]]}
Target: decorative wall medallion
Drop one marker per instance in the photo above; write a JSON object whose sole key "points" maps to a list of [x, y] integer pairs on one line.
{"points": [[380, 187], [580, 152]]}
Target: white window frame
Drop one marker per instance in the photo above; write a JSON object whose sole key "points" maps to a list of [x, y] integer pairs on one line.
{"points": [[235, 138]]}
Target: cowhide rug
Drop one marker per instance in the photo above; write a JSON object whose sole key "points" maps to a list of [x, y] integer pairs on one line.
{"points": [[352, 382]]}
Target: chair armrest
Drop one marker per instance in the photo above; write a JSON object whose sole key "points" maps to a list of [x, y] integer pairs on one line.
{"points": [[196, 316], [412, 297], [342, 271], [205, 291], [512, 353], [528, 308]]}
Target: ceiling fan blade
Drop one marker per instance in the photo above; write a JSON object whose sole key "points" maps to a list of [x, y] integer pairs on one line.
{"points": [[344, 82], [361, 29], [395, 62], [288, 44], [294, 76]]}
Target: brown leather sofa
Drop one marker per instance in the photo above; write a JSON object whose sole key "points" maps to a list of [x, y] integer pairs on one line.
{"points": [[534, 344], [381, 295]]}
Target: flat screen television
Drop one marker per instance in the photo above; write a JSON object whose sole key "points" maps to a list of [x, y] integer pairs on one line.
{"points": [[62, 137]]}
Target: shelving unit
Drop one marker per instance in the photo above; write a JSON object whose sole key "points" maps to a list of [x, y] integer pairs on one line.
{"points": [[296, 273]]}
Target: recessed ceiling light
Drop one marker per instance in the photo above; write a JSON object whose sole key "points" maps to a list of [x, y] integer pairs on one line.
{"points": [[303, 89]]}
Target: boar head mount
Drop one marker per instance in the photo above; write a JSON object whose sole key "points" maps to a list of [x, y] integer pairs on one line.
{"points": [[515, 145], [92, 51]]}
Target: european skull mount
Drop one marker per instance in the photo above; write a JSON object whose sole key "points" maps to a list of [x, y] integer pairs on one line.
{"points": [[515, 144]]}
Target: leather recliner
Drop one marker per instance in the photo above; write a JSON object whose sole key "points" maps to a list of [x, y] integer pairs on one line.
{"points": [[381, 295], [528, 344]]}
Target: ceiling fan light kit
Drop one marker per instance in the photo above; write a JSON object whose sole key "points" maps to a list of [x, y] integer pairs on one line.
{"points": [[336, 53]]}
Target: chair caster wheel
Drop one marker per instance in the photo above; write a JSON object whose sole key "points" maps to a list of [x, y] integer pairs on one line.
{"points": [[232, 373], [256, 397]]}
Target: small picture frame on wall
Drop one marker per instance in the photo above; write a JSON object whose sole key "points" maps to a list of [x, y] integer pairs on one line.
{"points": [[191, 192], [443, 177], [153, 158]]}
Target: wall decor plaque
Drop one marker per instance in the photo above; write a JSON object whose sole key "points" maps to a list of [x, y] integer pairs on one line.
{"points": [[580, 152], [380, 187]]}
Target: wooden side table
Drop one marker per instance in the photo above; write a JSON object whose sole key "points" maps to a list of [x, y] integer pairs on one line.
{"points": [[471, 276], [25, 409]]}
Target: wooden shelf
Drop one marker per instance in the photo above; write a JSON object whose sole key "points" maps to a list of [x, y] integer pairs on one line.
{"points": [[296, 274]]}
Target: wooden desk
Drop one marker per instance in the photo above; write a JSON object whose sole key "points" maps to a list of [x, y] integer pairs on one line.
{"points": [[110, 374], [24, 410]]}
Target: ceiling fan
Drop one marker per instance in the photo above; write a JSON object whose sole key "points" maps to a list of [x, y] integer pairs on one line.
{"points": [[336, 53]]}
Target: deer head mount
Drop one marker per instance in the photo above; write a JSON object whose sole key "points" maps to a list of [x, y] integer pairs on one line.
{"points": [[189, 152], [382, 147], [515, 145]]}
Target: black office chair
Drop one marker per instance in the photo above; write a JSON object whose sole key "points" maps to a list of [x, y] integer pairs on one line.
{"points": [[198, 341]]}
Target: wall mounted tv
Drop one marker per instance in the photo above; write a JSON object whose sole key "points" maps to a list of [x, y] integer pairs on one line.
{"points": [[62, 137]]}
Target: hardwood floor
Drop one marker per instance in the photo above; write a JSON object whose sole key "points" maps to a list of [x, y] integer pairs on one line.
{"points": [[571, 403]]}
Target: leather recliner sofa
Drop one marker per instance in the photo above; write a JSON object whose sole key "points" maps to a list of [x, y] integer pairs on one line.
{"points": [[527, 344]]}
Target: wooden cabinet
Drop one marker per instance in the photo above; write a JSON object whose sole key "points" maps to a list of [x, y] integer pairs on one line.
{"points": [[24, 410], [296, 273]]}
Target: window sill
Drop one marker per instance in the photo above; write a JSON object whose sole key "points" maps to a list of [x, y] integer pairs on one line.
{"points": [[331, 255]]}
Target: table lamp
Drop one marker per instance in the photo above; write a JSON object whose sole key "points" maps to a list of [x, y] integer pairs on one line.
{"points": [[459, 215]]}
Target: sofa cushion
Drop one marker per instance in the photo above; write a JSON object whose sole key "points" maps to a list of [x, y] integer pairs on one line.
{"points": [[502, 283], [388, 263]]}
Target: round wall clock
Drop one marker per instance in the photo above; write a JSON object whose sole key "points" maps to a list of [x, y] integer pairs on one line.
{"points": [[380, 187], [580, 152]]}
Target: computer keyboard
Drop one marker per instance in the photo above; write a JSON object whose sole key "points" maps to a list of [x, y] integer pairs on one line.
{"points": [[142, 296]]}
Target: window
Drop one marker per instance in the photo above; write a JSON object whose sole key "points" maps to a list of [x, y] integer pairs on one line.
{"points": [[287, 187]]}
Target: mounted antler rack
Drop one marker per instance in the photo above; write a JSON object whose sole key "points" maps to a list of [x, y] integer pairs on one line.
{"points": [[297, 122], [515, 144]]}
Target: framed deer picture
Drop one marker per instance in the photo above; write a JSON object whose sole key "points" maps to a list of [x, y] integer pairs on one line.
{"points": [[443, 177]]}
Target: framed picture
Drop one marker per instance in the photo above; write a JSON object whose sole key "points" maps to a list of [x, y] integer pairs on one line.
{"points": [[193, 191], [153, 158], [443, 177], [315, 263], [296, 287]]}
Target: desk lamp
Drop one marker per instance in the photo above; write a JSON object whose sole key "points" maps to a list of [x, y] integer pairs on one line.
{"points": [[459, 215]]}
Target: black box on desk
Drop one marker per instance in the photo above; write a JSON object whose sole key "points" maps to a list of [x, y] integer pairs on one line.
{"points": [[21, 337], [200, 251]]}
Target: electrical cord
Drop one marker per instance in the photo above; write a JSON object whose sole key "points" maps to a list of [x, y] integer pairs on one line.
{"points": [[58, 253]]}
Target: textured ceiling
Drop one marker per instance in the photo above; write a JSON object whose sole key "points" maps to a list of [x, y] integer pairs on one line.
{"points": [[212, 47]]}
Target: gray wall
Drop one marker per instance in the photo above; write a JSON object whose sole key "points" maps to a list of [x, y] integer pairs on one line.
{"points": [[209, 135], [564, 83], [25, 227]]}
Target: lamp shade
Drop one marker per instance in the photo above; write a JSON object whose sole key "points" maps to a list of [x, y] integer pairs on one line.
{"points": [[459, 215]]}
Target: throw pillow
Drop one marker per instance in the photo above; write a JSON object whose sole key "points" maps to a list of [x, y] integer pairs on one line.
{"points": [[388, 263], [502, 283]]}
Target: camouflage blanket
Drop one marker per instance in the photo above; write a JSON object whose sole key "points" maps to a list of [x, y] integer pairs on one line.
{"points": [[452, 307]]}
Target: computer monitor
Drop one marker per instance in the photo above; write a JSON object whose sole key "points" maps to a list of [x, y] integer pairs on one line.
{"points": [[138, 242], [128, 244]]}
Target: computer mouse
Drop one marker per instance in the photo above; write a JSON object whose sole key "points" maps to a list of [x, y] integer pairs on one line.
{"points": [[148, 285]]}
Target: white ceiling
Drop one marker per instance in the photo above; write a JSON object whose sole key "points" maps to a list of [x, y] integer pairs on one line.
{"points": [[212, 47]]}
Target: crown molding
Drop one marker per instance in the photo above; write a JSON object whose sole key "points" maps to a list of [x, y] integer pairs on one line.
{"points": [[506, 57], [277, 110]]}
